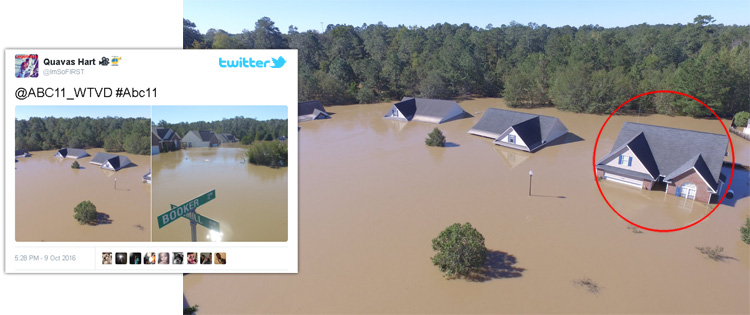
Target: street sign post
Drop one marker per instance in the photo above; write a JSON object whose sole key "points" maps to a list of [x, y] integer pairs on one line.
{"points": [[177, 212], [204, 221]]}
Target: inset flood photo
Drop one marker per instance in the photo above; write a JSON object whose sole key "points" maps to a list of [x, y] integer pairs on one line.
{"points": [[81, 173], [220, 173]]}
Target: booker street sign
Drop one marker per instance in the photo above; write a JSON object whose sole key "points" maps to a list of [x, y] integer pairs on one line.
{"points": [[180, 211], [204, 221]]}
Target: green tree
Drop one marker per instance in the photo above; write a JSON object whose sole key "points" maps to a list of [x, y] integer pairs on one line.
{"points": [[268, 153], [75, 165], [740, 119], [85, 213], [190, 34], [460, 250], [745, 231], [435, 138]]}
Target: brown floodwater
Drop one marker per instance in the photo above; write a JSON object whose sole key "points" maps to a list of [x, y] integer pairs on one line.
{"points": [[251, 201], [372, 197], [47, 190]]}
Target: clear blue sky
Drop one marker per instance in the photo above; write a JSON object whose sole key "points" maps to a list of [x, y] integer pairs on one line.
{"points": [[235, 15], [177, 114], [25, 112]]}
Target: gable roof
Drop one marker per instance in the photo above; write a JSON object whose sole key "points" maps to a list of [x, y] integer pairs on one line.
{"points": [[407, 108], [206, 135], [673, 151], [431, 108], [116, 161], [535, 130], [101, 158], [307, 108], [78, 153], [22, 152]]}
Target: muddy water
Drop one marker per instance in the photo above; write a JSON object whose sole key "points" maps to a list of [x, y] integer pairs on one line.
{"points": [[372, 197], [250, 204], [47, 190]]}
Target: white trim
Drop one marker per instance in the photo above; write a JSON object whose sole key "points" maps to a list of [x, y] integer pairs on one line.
{"points": [[623, 180]]}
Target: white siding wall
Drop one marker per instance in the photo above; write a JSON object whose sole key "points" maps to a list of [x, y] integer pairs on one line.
{"points": [[512, 132], [637, 166]]}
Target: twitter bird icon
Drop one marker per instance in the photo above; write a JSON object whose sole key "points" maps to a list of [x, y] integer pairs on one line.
{"points": [[278, 63]]}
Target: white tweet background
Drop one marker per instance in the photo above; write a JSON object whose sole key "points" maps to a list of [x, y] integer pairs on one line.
{"points": [[90, 24]]}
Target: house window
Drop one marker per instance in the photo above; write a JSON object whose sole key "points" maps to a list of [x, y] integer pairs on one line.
{"points": [[511, 138], [625, 160], [687, 190]]}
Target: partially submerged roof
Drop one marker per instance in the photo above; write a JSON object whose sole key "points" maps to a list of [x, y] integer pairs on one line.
{"points": [[111, 161], [431, 110], [71, 152], [535, 130], [670, 152], [307, 108], [22, 152], [206, 135]]}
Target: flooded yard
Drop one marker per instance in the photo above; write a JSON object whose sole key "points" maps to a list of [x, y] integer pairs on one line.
{"points": [[373, 196], [47, 190], [250, 204]]}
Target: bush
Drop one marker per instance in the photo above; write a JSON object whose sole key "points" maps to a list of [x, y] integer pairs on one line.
{"points": [[713, 253], [435, 138], [460, 250], [75, 165], [745, 231], [247, 139], [268, 153], [740, 119], [85, 213]]}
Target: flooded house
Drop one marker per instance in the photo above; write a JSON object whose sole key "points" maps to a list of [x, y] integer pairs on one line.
{"points": [[517, 130], [22, 153], [200, 139], [226, 138], [164, 139], [311, 110], [683, 163], [147, 177], [71, 153], [112, 162], [425, 110]]}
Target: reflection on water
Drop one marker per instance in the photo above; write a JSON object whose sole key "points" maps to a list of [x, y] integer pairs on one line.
{"points": [[373, 196], [250, 204], [47, 190]]}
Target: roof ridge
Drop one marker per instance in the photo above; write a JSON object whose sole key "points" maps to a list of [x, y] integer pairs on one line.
{"points": [[673, 128]]}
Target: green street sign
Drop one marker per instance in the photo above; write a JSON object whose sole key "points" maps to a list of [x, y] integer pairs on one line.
{"points": [[204, 221], [177, 212]]}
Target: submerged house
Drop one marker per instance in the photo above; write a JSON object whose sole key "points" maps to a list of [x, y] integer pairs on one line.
{"points": [[112, 162], [425, 110], [22, 153], [522, 131], [226, 138], [650, 157], [147, 177], [311, 110], [164, 139], [71, 153], [200, 139]]}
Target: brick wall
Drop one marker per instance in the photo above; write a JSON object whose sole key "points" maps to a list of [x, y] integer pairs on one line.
{"points": [[702, 194]]}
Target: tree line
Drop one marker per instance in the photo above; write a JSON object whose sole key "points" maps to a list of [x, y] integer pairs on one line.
{"points": [[245, 129], [114, 134], [588, 69]]}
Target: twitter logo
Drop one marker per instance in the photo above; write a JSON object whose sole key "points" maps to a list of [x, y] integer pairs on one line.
{"points": [[278, 63]]}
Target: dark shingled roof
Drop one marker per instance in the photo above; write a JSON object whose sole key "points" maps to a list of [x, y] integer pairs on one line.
{"points": [[22, 152], [530, 132], [674, 151], [65, 152], [206, 135], [407, 107], [431, 107], [117, 161], [307, 108], [534, 130]]}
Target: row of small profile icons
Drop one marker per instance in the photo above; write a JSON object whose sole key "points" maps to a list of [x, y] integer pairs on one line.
{"points": [[163, 258]]}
